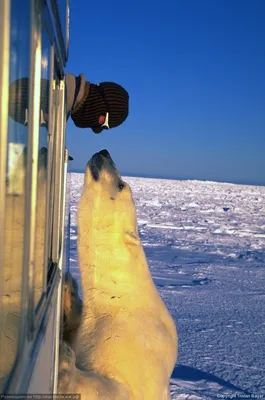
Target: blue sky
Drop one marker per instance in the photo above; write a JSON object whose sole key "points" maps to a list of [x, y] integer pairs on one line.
{"points": [[195, 73]]}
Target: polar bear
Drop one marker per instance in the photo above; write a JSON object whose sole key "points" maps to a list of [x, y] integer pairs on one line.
{"points": [[127, 341]]}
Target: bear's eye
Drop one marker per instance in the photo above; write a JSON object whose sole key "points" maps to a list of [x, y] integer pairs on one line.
{"points": [[121, 186]]}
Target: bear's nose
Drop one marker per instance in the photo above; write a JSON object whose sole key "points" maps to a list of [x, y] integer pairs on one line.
{"points": [[96, 165], [105, 153], [97, 160]]}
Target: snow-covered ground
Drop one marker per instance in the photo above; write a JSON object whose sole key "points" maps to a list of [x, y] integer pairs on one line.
{"points": [[205, 244]]}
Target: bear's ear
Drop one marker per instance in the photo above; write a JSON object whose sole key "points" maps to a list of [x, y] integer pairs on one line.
{"points": [[131, 238]]}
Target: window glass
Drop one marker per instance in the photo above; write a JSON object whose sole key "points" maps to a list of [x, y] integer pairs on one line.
{"points": [[52, 166], [40, 260], [15, 181], [62, 7], [56, 165]]}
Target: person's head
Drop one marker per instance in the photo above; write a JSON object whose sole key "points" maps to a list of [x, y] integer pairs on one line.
{"points": [[105, 106], [19, 100]]}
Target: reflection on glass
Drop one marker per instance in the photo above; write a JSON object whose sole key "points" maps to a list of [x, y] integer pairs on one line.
{"points": [[42, 170], [15, 181]]}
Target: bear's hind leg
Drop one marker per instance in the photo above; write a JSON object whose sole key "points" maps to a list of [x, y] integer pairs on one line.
{"points": [[66, 372], [90, 385]]}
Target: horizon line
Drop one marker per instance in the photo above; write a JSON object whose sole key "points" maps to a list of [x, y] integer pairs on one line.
{"points": [[150, 176]]}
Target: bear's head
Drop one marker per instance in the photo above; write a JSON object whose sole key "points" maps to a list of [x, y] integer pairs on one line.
{"points": [[106, 204]]}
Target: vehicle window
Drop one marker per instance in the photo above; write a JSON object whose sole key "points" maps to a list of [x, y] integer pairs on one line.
{"points": [[63, 14], [15, 184], [40, 260]]}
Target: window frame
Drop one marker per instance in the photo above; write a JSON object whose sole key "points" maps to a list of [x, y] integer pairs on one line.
{"points": [[63, 45], [4, 85]]}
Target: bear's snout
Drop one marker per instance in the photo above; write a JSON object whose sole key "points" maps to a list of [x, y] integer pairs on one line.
{"points": [[96, 165], [105, 154], [98, 161]]}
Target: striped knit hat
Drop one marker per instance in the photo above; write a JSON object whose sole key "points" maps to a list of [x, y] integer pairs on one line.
{"points": [[109, 97]]}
